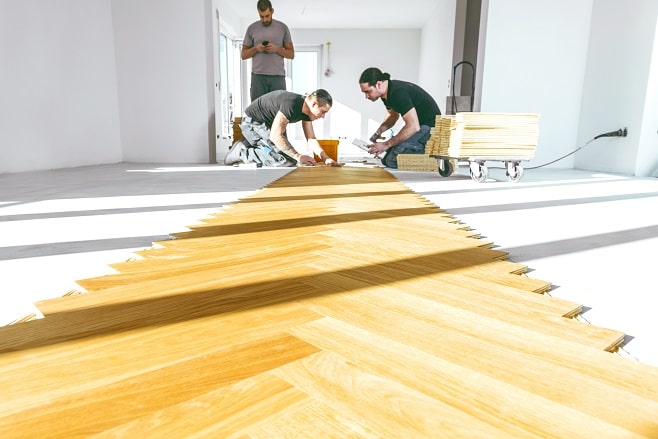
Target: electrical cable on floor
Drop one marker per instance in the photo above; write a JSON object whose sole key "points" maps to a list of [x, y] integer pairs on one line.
{"points": [[617, 133], [564, 156]]}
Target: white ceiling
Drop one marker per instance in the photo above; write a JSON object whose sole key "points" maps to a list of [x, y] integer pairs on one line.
{"points": [[343, 14]]}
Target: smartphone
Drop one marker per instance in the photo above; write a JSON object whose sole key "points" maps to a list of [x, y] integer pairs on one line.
{"points": [[265, 43]]}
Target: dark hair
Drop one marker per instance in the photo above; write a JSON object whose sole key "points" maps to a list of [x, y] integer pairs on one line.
{"points": [[322, 96], [372, 74], [264, 5]]}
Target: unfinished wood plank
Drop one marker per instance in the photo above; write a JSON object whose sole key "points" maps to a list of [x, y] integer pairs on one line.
{"points": [[464, 388], [225, 412], [155, 389], [312, 420], [117, 310], [382, 405], [111, 358], [582, 389]]}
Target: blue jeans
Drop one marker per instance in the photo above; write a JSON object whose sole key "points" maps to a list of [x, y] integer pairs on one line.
{"points": [[413, 145]]}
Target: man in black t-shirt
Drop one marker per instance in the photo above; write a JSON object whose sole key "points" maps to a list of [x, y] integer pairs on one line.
{"points": [[417, 108], [268, 116]]}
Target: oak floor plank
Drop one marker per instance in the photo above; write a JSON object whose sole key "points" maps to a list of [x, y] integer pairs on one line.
{"points": [[312, 420], [226, 412], [153, 390], [513, 411], [531, 316], [109, 358], [239, 251], [261, 262], [383, 405], [477, 292], [120, 311], [293, 220], [512, 358], [459, 262]]}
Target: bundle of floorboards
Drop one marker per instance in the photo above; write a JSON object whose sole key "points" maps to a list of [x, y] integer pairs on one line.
{"points": [[485, 135], [237, 131], [335, 302]]}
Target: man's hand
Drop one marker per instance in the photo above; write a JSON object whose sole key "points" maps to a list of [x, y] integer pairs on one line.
{"points": [[332, 162], [306, 160], [262, 47], [271, 48], [377, 148]]}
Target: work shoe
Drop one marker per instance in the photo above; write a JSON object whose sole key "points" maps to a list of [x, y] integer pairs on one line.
{"points": [[236, 153]]}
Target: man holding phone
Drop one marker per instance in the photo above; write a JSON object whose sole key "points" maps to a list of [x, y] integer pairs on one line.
{"points": [[268, 42]]}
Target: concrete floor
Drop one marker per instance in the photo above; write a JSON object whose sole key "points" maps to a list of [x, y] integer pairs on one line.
{"points": [[590, 234]]}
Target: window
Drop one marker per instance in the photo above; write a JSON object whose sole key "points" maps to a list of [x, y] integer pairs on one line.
{"points": [[303, 77], [304, 70]]}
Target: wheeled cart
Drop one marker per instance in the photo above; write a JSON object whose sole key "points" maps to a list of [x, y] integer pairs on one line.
{"points": [[478, 169]]}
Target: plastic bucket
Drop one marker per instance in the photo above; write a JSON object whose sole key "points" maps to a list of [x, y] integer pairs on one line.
{"points": [[330, 146]]}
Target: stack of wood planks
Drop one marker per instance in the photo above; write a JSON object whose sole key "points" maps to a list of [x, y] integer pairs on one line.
{"points": [[440, 134], [237, 131], [335, 302], [487, 135], [417, 162]]}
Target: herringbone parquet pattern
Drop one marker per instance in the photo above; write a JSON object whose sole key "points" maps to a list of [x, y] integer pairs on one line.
{"points": [[335, 302]]}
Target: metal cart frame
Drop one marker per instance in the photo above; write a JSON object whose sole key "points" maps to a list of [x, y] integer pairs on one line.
{"points": [[478, 169]]}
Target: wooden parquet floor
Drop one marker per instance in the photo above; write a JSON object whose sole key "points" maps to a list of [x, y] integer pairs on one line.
{"points": [[335, 303]]}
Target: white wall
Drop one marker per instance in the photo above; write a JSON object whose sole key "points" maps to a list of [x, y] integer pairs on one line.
{"points": [[647, 157], [436, 51], [352, 51], [534, 62], [422, 56], [619, 90], [165, 81], [57, 80], [231, 25]]}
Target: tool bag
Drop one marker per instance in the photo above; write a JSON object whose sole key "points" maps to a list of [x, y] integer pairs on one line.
{"points": [[262, 154]]}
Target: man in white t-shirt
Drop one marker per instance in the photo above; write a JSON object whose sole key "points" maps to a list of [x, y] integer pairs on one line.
{"points": [[267, 41]]}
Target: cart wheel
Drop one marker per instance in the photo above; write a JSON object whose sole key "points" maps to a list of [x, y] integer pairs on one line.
{"points": [[514, 171], [479, 172], [445, 168]]}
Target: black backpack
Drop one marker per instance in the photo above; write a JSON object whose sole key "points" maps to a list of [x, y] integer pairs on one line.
{"points": [[262, 154]]}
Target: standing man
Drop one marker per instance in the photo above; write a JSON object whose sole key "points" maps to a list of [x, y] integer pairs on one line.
{"points": [[267, 42], [417, 107], [267, 118]]}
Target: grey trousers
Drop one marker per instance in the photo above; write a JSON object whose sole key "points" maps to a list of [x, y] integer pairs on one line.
{"points": [[255, 132], [263, 84]]}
